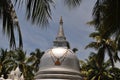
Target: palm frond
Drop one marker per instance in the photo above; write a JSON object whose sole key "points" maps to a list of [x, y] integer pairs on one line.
{"points": [[94, 45], [100, 56], [106, 14], [20, 55], [31, 60], [110, 56], [94, 34], [96, 13], [91, 22], [39, 11], [10, 23], [72, 3], [116, 57]]}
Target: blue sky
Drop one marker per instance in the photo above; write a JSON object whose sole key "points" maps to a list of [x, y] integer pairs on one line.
{"points": [[75, 28]]}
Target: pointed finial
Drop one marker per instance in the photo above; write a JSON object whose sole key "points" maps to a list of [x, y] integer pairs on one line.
{"points": [[61, 31], [61, 21], [61, 39]]}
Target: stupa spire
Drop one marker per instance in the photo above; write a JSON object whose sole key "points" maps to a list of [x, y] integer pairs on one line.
{"points": [[61, 21], [61, 31], [61, 39]]}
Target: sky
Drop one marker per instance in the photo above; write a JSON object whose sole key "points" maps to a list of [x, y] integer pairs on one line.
{"points": [[75, 28]]}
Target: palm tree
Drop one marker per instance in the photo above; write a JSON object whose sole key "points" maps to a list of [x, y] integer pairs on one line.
{"points": [[91, 71], [106, 12], [23, 64], [2, 59], [10, 60], [35, 59], [106, 21], [10, 22], [4, 63], [18, 59], [104, 45], [106, 15], [27, 65]]}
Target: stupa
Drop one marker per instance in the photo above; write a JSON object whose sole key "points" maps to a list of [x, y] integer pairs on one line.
{"points": [[59, 62]]}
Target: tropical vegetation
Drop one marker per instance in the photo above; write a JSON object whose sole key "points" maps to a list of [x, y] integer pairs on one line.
{"points": [[104, 45], [106, 21], [27, 64], [90, 69]]}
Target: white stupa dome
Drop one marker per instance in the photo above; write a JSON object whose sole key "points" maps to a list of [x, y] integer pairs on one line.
{"points": [[59, 62]]}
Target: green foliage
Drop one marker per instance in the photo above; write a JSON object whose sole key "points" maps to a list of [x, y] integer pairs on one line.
{"points": [[72, 3], [106, 19], [3, 66], [106, 16], [36, 56], [90, 69], [103, 45], [28, 65], [115, 72], [10, 22]]}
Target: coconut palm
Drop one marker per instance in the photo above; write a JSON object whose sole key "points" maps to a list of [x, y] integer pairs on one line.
{"points": [[19, 60], [24, 65], [104, 45], [106, 12], [106, 15], [4, 63], [35, 59], [2, 66], [10, 22], [91, 71], [106, 21], [27, 65]]}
